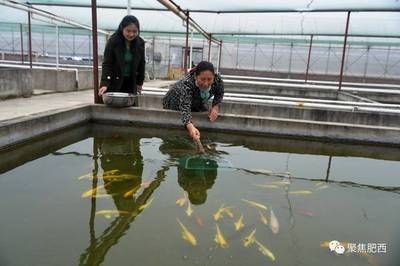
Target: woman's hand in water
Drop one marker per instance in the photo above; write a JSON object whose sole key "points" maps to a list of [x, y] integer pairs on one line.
{"points": [[102, 90], [213, 114], [194, 133], [139, 89]]}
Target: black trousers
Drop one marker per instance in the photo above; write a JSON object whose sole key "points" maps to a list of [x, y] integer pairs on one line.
{"points": [[128, 86]]}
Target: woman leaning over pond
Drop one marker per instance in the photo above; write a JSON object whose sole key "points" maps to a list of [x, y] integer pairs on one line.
{"points": [[192, 93], [124, 59]]}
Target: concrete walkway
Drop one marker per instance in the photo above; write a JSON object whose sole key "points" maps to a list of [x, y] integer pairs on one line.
{"points": [[20, 107]]}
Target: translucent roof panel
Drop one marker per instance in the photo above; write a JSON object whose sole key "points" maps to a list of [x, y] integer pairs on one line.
{"points": [[258, 23]]}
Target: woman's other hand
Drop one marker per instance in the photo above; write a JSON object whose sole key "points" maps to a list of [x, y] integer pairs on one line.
{"points": [[194, 133], [139, 89], [102, 90], [213, 114]]}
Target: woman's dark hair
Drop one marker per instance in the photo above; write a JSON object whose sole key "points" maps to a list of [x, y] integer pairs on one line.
{"points": [[129, 19], [203, 66], [118, 35]]}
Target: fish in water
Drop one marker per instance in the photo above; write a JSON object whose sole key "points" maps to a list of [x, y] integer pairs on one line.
{"points": [[239, 223], [130, 192], [109, 213], [146, 205], [219, 214], [266, 186], [189, 210], [263, 218], [220, 239], [322, 187], [181, 201], [274, 224], [255, 204], [248, 240], [264, 250], [91, 192], [199, 221], [186, 234], [300, 192], [88, 175]]}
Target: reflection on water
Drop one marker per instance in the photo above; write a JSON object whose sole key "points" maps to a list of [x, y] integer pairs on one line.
{"points": [[127, 196]]}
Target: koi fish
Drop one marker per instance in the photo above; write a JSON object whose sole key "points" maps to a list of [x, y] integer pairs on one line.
{"points": [[189, 210], [263, 218], [144, 206], [255, 204], [266, 186], [88, 175], [130, 192], [181, 201], [186, 234], [219, 214], [220, 239], [274, 224], [264, 250], [239, 223], [281, 182], [322, 187], [91, 192], [199, 221], [300, 192], [108, 213], [248, 240]]}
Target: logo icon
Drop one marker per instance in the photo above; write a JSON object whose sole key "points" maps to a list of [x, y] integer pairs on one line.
{"points": [[335, 245]]}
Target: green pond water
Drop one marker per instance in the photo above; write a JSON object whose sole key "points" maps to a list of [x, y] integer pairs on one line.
{"points": [[112, 195]]}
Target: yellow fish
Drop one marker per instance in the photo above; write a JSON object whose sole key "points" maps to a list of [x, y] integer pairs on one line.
{"points": [[266, 186], [264, 250], [255, 204], [248, 240], [322, 187], [181, 201], [281, 182], [220, 240], [319, 183], [189, 210], [110, 172], [88, 175], [144, 206], [187, 235], [300, 192], [109, 213], [239, 223], [274, 224], [219, 214], [130, 192], [91, 192], [263, 218]]}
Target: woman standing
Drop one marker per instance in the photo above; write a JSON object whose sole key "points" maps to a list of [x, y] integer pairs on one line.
{"points": [[191, 94], [124, 59]]}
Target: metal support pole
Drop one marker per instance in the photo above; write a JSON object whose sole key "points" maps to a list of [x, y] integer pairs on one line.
{"points": [[30, 39], [366, 63], [344, 50], [309, 57], [73, 43], [12, 40], [169, 54], [57, 46], [97, 99], [237, 54], [209, 49], [191, 49], [290, 59], [219, 56], [185, 63], [43, 47], [22, 43], [387, 62], [327, 60], [153, 52], [255, 55], [129, 7], [272, 56]]}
